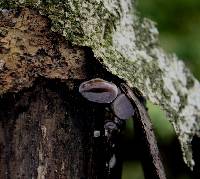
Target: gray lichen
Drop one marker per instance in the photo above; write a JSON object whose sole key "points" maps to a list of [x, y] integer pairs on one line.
{"points": [[128, 47]]}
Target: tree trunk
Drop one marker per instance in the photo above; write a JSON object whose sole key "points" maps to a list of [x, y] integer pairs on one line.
{"points": [[41, 71], [46, 129]]}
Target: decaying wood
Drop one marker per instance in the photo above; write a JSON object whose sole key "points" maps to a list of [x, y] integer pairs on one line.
{"points": [[44, 136], [46, 127], [124, 43], [127, 45]]}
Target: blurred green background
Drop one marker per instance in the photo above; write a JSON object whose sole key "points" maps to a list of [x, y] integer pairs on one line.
{"points": [[178, 22]]}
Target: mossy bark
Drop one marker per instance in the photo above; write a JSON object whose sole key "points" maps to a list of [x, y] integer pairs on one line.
{"points": [[127, 45]]}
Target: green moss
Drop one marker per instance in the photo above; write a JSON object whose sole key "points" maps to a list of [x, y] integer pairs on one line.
{"points": [[128, 47]]}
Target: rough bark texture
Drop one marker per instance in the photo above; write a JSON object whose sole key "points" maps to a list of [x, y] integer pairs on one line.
{"points": [[128, 47], [29, 50], [46, 127], [44, 136]]}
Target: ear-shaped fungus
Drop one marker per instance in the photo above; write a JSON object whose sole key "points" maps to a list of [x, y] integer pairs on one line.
{"points": [[122, 107], [98, 90]]}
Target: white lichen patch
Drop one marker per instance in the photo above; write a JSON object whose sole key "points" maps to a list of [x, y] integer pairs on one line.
{"points": [[128, 46]]}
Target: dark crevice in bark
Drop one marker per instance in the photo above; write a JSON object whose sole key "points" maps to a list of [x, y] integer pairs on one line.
{"points": [[196, 150]]}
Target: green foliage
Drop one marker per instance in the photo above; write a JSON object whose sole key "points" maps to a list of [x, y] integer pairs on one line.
{"points": [[162, 127], [132, 170]]}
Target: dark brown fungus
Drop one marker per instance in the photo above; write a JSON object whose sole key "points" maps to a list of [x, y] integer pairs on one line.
{"points": [[122, 107], [98, 90]]}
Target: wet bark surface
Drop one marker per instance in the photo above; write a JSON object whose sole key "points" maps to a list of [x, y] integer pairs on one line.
{"points": [[47, 132]]}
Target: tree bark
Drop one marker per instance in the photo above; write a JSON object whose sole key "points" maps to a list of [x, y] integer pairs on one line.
{"points": [[125, 44], [47, 132], [46, 127]]}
